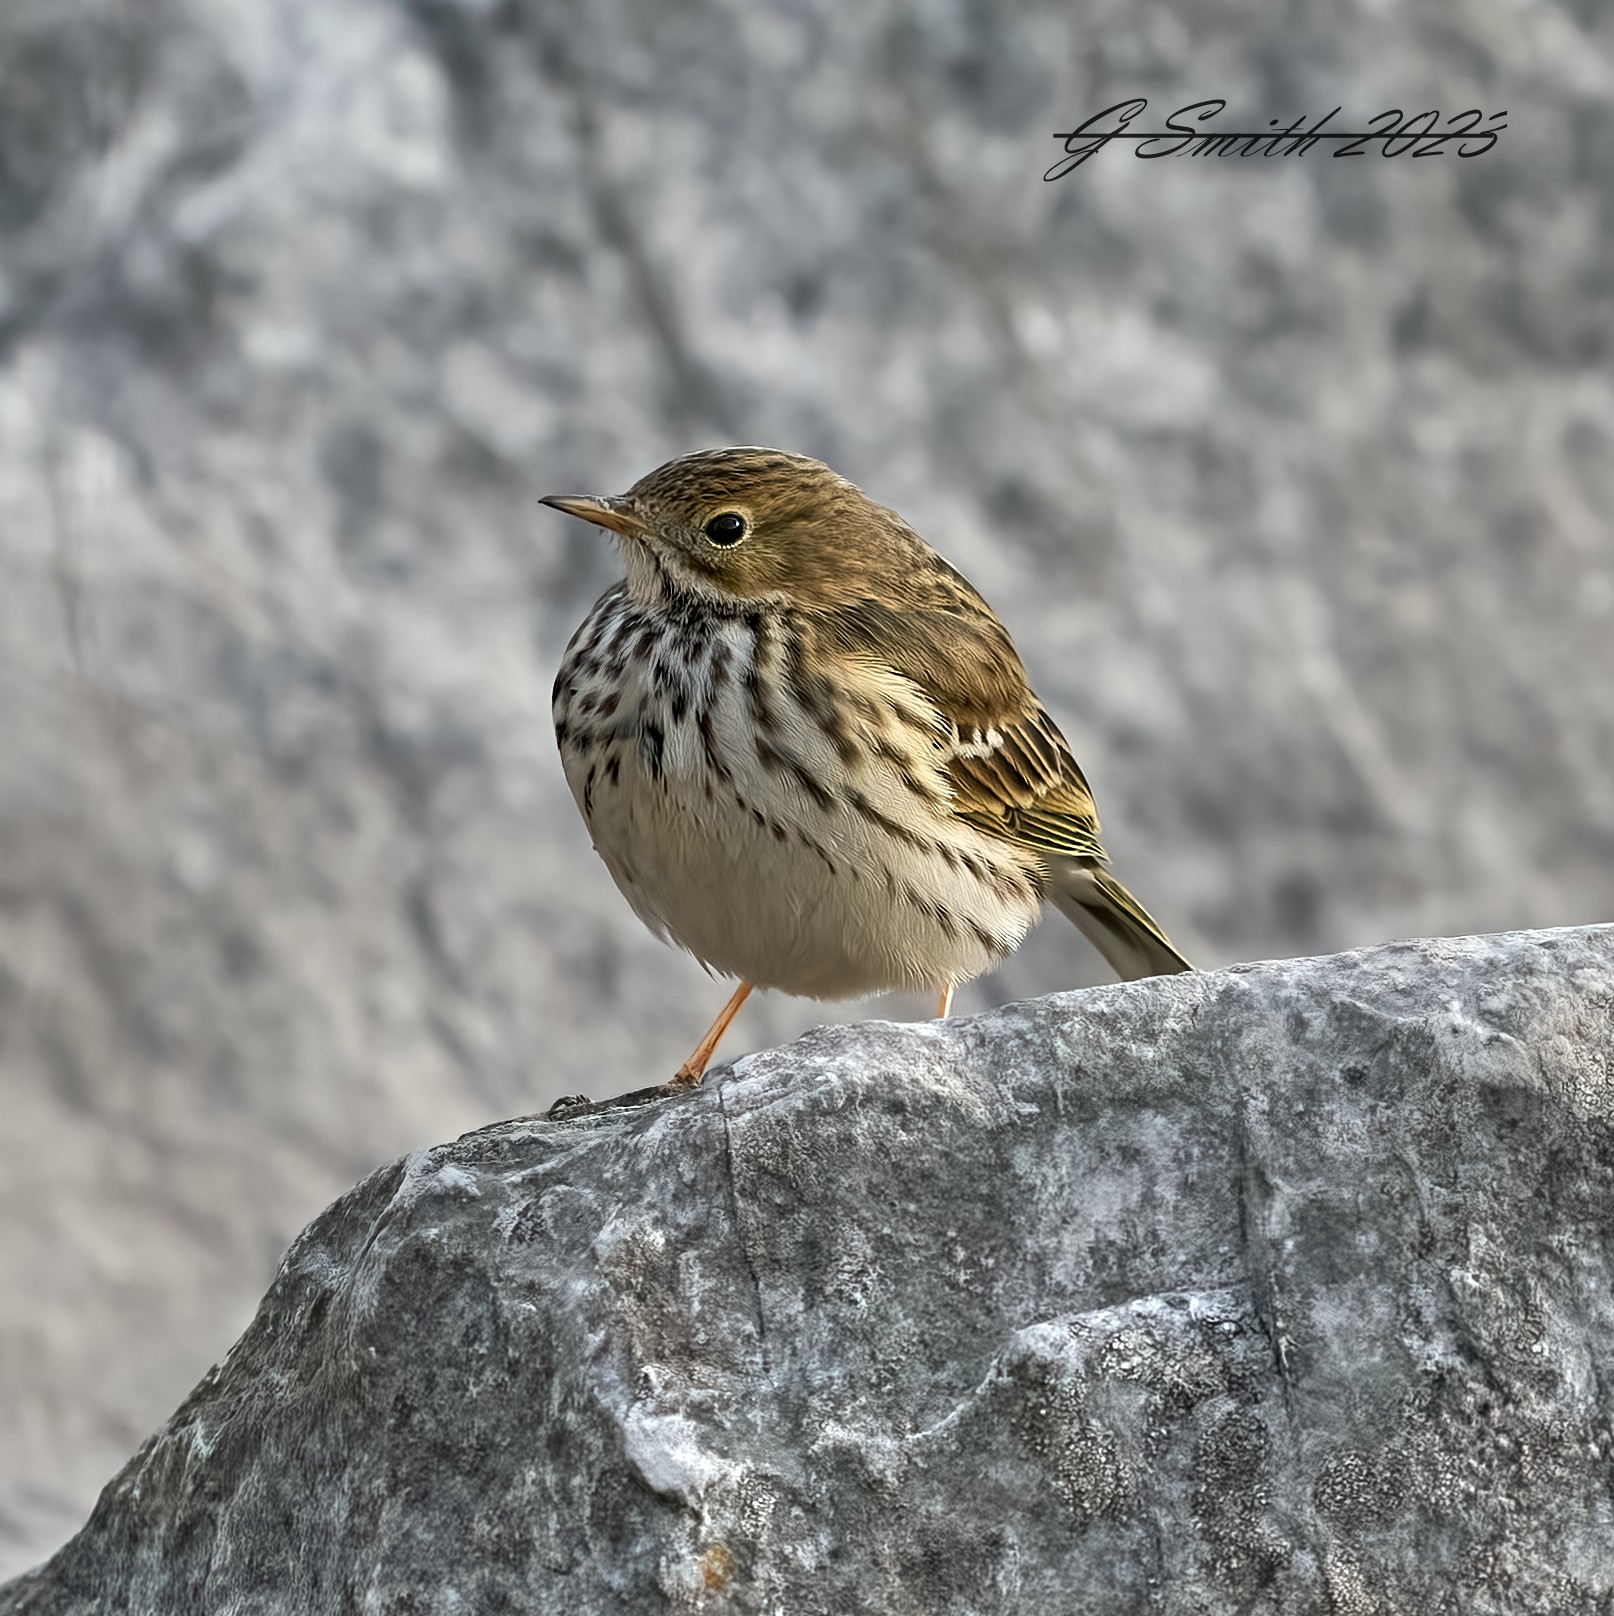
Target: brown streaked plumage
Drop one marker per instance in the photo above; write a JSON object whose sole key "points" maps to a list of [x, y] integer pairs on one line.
{"points": [[808, 751]]}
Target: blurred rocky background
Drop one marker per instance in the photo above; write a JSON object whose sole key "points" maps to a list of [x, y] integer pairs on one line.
{"points": [[1292, 478]]}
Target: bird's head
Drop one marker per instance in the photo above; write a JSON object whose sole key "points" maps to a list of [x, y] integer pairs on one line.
{"points": [[735, 527]]}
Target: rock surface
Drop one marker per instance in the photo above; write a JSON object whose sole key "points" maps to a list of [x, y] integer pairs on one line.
{"points": [[1292, 480], [1285, 1289]]}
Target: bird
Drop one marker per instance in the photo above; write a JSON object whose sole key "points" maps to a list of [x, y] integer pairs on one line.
{"points": [[808, 752]]}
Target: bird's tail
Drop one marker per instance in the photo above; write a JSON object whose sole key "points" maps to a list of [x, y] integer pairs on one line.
{"points": [[1113, 921]]}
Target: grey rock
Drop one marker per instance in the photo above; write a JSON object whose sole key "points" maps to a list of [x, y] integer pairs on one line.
{"points": [[1292, 480], [1283, 1289]]}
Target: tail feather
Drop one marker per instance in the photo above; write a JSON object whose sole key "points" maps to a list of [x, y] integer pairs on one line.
{"points": [[1113, 921]]}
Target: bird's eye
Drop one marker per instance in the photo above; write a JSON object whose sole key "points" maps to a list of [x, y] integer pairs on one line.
{"points": [[727, 529]]}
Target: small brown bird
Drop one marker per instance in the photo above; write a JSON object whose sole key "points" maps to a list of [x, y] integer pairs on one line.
{"points": [[807, 750]]}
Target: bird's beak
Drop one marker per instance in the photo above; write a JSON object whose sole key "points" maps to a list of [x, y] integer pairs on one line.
{"points": [[602, 512]]}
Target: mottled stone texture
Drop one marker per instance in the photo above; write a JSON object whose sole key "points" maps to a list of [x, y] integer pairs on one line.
{"points": [[1291, 478], [1288, 1289]]}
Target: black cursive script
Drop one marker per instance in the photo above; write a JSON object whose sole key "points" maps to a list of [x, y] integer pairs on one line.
{"points": [[1399, 134]]}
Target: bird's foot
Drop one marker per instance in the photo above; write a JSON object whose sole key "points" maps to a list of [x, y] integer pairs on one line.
{"points": [[566, 1106], [571, 1106]]}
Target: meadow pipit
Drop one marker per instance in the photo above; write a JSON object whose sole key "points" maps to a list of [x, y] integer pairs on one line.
{"points": [[807, 751]]}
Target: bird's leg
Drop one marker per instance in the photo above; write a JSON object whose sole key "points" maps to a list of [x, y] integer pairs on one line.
{"points": [[946, 1002], [690, 1073]]}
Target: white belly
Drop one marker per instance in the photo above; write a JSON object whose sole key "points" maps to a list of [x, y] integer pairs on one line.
{"points": [[728, 854]]}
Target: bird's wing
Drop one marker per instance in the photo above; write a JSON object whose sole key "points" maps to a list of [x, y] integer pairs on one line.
{"points": [[1011, 772]]}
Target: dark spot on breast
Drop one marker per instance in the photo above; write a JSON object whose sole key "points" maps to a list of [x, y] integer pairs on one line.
{"points": [[652, 741], [760, 710], [890, 826], [703, 724], [839, 735], [803, 777], [818, 848]]}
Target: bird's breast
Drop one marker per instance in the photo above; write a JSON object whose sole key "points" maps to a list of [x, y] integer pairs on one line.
{"points": [[793, 831]]}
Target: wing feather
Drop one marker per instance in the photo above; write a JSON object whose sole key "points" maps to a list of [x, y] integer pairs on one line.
{"points": [[1011, 771]]}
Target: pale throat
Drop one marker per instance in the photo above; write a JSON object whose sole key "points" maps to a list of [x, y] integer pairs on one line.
{"points": [[647, 585], [657, 583]]}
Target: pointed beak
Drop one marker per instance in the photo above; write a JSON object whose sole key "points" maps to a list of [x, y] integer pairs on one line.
{"points": [[602, 512]]}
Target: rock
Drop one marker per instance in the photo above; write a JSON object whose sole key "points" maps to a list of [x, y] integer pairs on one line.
{"points": [[1291, 479], [1288, 1289]]}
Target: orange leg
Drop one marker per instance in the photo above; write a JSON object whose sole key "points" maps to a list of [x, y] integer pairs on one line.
{"points": [[691, 1072], [946, 1003]]}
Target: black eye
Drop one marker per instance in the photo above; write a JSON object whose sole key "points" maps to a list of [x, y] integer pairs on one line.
{"points": [[729, 528]]}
